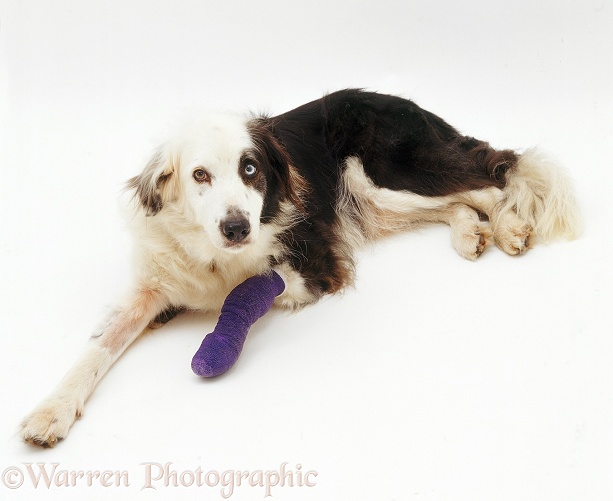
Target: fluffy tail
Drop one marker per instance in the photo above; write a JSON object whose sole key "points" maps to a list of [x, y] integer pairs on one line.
{"points": [[540, 192]]}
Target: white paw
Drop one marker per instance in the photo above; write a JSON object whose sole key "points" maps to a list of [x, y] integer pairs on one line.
{"points": [[471, 240], [50, 422], [512, 234]]}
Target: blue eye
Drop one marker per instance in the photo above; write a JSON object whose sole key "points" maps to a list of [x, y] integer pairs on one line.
{"points": [[250, 170]]}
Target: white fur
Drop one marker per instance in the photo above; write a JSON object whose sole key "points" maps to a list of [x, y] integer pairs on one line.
{"points": [[215, 143], [539, 192], [182, 258]]}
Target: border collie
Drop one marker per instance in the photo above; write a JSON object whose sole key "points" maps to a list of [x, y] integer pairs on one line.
{"points": [[231, 196]]}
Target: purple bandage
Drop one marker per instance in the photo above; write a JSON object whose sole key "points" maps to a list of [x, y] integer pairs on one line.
{"points": [[246, 303]]}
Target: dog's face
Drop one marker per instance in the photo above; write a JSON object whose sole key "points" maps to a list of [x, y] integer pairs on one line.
{"points": [[227, 172], [224, 182]]}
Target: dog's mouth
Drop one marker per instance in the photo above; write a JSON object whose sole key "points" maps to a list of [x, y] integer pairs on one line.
{"points": [[236, 247]]}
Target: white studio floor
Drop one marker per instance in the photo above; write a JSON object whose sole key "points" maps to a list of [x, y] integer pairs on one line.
{"points": [[434, 378]]}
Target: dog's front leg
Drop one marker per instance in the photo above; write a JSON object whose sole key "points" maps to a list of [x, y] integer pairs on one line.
{"points": [[52, 419]]}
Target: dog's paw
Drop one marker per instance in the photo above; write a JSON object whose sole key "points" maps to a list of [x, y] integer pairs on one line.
{"points": [[512, 234], [470, 242], [50, 422]]}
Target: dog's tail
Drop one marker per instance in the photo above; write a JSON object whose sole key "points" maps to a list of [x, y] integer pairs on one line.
{"points": [[540, 192]]}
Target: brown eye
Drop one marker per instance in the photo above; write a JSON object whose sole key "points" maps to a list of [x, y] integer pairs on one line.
{"points": [[201, 176]]}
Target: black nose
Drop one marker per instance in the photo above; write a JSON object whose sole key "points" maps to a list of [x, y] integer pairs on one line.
{"points": [[235, 229]]}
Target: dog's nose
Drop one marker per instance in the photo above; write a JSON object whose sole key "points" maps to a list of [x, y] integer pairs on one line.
{"points": [[235, 229]]}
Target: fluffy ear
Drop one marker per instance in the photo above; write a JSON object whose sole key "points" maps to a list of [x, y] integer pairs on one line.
{"points": [[157, 184], [285, 182]]}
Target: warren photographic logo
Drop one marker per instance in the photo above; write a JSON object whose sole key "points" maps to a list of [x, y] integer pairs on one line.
{"points": [[158, 476]]}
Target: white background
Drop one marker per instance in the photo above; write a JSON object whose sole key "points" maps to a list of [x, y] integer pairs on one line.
{"points": [[434, 378]]}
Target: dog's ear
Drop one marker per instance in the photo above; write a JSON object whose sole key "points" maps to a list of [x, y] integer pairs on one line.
{"points": [[284, 181], [157, 184]]}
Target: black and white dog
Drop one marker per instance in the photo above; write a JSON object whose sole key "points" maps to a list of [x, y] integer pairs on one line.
{"points": [[228, 197]]}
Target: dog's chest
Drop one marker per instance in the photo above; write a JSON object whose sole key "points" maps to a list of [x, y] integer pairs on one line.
{"points": [[202, 285]]}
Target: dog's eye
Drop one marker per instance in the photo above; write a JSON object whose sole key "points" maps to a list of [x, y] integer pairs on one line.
{"points": [[201, 176], [250, 170]]}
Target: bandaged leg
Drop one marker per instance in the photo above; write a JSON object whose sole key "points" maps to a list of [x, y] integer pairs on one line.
{"points": [[244, 305]]}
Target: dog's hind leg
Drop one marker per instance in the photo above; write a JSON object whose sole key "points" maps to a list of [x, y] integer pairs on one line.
{"points": [[52, 419], [469, 235], [378, 211]]}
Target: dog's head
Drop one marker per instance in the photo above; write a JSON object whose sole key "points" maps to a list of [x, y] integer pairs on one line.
{"points": [[226, 172]]}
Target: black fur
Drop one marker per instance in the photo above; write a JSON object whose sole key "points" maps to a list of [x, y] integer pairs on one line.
{"points": [[401, 146], [273, 160]]}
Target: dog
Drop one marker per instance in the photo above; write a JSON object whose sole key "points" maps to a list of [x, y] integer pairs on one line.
{"points": [[231, 196]]}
